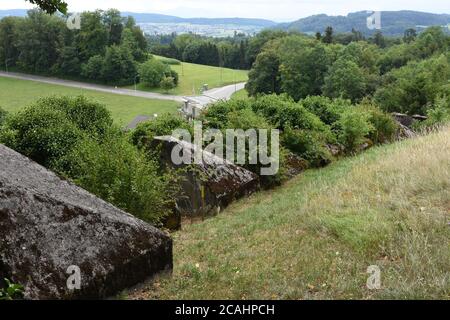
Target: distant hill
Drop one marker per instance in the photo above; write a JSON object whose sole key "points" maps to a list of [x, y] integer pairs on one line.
{"points": [[393, 23], [161, 18]]}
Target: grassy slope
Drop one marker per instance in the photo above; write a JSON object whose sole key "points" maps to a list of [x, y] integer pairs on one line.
{"points": [[16, 94], [193, 76], [315, 237]]}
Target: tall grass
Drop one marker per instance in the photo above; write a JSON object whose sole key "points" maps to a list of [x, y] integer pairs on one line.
{"points": [[315, 237]]}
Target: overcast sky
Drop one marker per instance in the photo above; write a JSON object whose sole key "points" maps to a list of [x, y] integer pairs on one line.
{"points": [[278, 10]]}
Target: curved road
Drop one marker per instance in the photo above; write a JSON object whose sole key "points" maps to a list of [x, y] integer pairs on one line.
{"points": [[212, 95]]}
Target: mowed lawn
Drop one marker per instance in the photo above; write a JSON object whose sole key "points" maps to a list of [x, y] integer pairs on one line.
{"points": [[316, 236], [194, 76], [16, 94]]}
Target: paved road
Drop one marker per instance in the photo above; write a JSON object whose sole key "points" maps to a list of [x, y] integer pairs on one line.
{"points": [[209, 96]]}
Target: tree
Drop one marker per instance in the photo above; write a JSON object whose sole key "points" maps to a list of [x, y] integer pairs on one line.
{"points": [[39, 41], [328, 38], [92, 38], [318, 36], [410, 35], [167, 84], [345, 79], [51, 6], [379, 40], [8, 41], [152, 72], [113, 22], [304, 63], [264, 76], [93, 68], [118, 66]]}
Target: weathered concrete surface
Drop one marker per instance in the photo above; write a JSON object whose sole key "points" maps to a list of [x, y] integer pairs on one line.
{"points": [[48, 224], [210, 186]]}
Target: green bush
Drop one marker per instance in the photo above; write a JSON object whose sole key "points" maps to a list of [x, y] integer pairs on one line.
{"points": [[438, 114], [41, 133], [167, 84], [245, 119], [282, 112], [119, 173], [328, 110], [354, 127], [309, 145], [3, 115], [152, 72], [161, 126], [88, 115], [216, 115], [384, 126]]}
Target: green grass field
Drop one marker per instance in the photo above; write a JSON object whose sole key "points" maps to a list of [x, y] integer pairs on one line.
{"points": [[16, 94], [315, 237], [193, 76], [241, 94]]}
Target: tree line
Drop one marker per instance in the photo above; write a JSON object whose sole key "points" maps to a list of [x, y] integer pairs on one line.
{"points": [[107, 47], [406, 75]]}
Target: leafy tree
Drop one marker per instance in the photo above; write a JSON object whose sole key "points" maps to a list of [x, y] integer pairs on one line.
{"points": [[413, 88], [304, 63], [118, 66], [8, 41], [39, 41], [379, 40], [92, 38], [410, 35], [345, 79], [113, 23], [93, 68], [68, 61], [51, 6], [152, 72], [264, 76]]}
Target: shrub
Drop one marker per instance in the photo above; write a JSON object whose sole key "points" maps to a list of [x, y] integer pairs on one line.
{"points": [[328, 110], [41, 133], [283, 112], [216, 115], [88, 115], [161, 126], [384, 126], [439, 113], [119, 173], [3, 115], [354, 127], [309, 145], [167, 83], [152, 72]]}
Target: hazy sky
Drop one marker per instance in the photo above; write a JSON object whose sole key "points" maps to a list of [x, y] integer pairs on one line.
{"points": [[278, 10]]}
